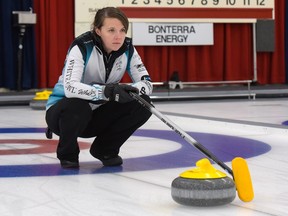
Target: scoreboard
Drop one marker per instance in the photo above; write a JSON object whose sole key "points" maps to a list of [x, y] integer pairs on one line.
{"points": [[177, 11], [196, 3], [260, 4], [188, 9]]}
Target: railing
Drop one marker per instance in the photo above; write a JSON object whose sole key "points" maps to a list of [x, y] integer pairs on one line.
{"points": [[181, 85]]}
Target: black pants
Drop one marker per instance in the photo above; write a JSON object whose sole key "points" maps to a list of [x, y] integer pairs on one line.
{"points": [[112, 124]]}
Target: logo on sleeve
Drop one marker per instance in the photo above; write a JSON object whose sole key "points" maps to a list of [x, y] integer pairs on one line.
{"points": [[140, 67]]}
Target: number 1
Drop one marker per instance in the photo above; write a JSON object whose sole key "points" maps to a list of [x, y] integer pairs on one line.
{"points": [[246, 2]]}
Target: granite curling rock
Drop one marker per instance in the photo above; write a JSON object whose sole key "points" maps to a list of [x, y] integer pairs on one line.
{"points": [[40, 100], [203, 186]]}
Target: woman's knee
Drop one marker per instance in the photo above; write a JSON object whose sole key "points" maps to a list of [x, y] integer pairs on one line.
{"points": [[146, 97], [77, 109], [74, 109], [145, 113]]}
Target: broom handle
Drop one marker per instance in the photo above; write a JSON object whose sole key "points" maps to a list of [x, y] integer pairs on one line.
{"points": [[181, 132]]}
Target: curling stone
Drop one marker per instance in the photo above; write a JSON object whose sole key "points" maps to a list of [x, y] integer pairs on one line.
{"points": [[203, 186], [40, 100]]}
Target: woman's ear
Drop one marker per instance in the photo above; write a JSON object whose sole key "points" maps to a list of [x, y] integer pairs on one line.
{"points": [[98, 32]]}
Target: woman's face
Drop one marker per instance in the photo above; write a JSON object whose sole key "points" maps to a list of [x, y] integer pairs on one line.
{"points": [[112, 34]]}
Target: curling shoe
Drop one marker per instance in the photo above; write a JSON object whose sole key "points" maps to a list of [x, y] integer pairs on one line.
{"points": [[108, 160], [69, 164], [111, 161]]}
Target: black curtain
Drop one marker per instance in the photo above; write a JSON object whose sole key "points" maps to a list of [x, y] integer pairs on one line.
{"points": [[9, 40]]}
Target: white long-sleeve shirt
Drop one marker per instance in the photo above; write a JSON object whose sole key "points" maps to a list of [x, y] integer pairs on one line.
{"points": [[88, 69]]}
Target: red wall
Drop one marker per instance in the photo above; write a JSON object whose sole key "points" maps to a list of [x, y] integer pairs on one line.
{"points": [[230, 58]]}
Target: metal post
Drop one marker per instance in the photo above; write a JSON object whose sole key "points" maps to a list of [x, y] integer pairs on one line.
{"points": [[20, 57], [254, 54]]}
